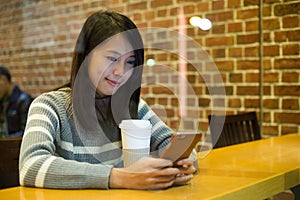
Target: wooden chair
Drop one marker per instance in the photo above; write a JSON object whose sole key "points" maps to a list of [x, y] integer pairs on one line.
{"points": [[9, 161], [228, 130]]}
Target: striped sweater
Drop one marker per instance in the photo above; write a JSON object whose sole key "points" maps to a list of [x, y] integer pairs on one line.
{"points": [[53, 155]]}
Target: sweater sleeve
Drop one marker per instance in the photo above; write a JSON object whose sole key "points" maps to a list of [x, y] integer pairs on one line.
{"points": [[161, 133], [39, 164]]}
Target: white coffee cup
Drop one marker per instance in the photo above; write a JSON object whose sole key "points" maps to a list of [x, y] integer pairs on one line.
{"points": [[136, 136]]}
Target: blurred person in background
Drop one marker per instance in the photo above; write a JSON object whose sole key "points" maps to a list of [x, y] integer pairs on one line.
{"points": [[14, 105]]}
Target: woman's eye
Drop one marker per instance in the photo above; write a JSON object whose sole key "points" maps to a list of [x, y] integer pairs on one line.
{"points": [[110, 58], [131, 62]]}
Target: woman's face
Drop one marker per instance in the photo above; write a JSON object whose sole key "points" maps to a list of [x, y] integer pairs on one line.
{"points": [[111, 64]]}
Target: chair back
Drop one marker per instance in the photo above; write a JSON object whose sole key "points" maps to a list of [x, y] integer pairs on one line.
{"points": [[233, 129], [9, 161]]}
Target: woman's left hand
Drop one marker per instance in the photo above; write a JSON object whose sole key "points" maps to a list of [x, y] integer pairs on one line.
{"points": [[187, 170]]}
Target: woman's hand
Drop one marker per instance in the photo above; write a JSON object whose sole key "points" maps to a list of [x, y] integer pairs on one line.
{"points": [[149, 173], [186, 169]]}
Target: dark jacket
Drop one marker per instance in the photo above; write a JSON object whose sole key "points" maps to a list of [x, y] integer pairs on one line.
{"points": [[17, 110]]}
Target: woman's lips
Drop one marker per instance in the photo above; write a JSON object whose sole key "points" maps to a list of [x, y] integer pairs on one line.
{"points": [[112, 82]]}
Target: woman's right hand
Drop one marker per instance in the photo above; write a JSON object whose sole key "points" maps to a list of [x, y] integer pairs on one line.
{"points": [[146, 173]]}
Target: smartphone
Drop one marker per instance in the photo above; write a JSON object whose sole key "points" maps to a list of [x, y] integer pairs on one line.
{"points": [[181, 146]]}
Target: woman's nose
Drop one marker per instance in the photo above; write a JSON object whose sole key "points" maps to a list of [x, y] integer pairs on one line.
{"points": [[119, 68]]}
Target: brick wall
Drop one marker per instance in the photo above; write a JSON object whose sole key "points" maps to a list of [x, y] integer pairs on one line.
{"points": [[37, 39]]}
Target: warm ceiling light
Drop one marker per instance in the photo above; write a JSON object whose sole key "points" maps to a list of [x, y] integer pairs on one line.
{"points": [[195, 21], [150, 62], [202, 23]]}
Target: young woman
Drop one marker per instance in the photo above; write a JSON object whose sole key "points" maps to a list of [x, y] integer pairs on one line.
{"points": [[72, 139]]}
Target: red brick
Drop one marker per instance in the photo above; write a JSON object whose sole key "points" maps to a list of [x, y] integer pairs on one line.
{"points": [[252, 51], [271, 24], [235, 27], [161, 56], [218, 29], [191, 78], [287, 90], [61, 73], [251, 103], [287, 63], [198, 90], [217, 41], [236, 78], [144, 90], [193, 112], [160, 3], [219, 53], [163, 79], [220, 16], [219, 102], [292, 35], [270, 130], [174, 124], [234, 3], [247, 13], [290, 49], [224, 65], [252, 77], [271, 77], [221, 90], [235, 52], [252, 25], [169, 112], [234, 103], [162, 13], [272, 50], [271, 103], [203, 126], [149, 15], [290, 21], [251, 2], [247, 38], [248, 64], [267, 10], [217, 5], [290, 104], [266, 117], [267, 90], [202, 6], [267, 37], [289, 129], [162, 90], [291, 118], [290, 77], [163, 23], [137, 6], [248, 90], [174, 102], [287, 9], [189, 9]]}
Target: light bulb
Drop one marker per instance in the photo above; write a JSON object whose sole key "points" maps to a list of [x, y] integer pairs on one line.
{"points": [[195, 21], [150, 62], [205, 24]]}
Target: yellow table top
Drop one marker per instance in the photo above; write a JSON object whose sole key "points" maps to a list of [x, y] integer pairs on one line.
{"points": [[253, 170]]}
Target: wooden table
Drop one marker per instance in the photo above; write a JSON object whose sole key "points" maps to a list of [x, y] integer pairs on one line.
{"points": [[254, 170]]}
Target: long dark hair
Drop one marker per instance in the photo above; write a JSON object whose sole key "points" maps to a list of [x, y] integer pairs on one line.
{"points": [[99, 27]]}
